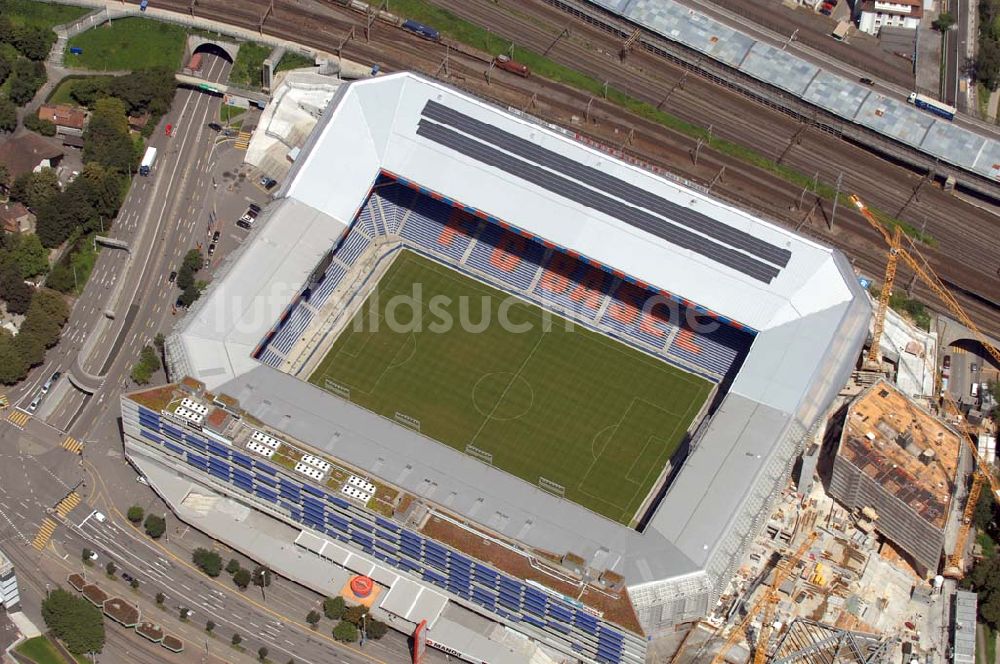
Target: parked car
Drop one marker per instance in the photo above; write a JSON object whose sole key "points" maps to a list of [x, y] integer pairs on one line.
{"points": [[93, 555], [947, 362], [268, 183], [973, 368], [215, 126], [128, 577], [865, 80], [216, 235], [56, 375], [173, 276], [824, 12], [170, 129], [211, 249], [141, 480], [253, 207], [33, 406]]}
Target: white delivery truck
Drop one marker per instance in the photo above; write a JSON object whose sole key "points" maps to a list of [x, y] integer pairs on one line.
{"points": [[147, 161]]}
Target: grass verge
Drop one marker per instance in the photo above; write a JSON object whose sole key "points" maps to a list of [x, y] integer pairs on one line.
{"points": [[40, 14], [484, 40], [246, 71], [292, 60], [63, 93], [128, 44], [41, 651]]}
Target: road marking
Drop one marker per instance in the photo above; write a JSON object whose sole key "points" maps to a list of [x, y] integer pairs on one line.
{"points": [[44, 534], [73, 445], [19, 419], [66, 505]]}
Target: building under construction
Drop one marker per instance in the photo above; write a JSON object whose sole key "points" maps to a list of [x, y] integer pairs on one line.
{"points": [[898, 460]]}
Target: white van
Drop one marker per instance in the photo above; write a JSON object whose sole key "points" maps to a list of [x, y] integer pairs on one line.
{"points": [[975, 390]]}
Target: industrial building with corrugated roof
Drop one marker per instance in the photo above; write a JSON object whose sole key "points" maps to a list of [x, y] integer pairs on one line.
{"points": [[797, 302]]}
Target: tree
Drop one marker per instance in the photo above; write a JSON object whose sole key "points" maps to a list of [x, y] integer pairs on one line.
{"points": [[106, 139], [111, 568], [262, 653], [149, 363], [86, 555], [209, 626], [4, 174], [333, 608], [375, 629], [943, 22], [26, 77], [155, 526], [184, 613], [233, 566], [345, 632], [242, 578], [33, 42], [34, 123], [158, 341], [134, 583], [192, 262], [237, 639], [355, 614], [27, 252], [74, 621], [189, 296], [135, 514], [160, 599], [6, 66], [261, 576], [12, 365], [313, 618], [8, 115], [207, 561], [34, 189], [13, 290], [86, 91]]}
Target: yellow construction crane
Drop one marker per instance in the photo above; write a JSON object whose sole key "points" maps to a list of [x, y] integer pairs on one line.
{"points": [[981, 475], [954, 568], [926, 275], [769, 602]]}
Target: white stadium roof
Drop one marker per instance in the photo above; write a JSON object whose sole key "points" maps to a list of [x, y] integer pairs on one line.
{"points": [[802, 298]]}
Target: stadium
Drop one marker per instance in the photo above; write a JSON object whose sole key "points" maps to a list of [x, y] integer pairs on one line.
{"points": [[493, 362]]}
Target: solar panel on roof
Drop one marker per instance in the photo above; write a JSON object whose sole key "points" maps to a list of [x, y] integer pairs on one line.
{"points": [[534, 621], [580, 194], [313, 490], [388, 525], [601, 181]]}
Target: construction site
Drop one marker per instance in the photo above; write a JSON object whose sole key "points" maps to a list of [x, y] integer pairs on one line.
{"points": [[862, 560]]}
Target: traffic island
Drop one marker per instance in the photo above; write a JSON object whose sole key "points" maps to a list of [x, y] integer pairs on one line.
{"points": [[95, 595], [121, 612], [172, 643], [150, 631], [77, 581]]}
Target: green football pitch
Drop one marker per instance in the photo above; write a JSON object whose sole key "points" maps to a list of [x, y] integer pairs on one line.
{"points": [[553, 404]]}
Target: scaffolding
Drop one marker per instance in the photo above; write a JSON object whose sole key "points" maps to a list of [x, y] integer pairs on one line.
{"points": [[809, 642]]}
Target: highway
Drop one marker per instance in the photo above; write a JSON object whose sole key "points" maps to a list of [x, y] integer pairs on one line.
{"points": [[163, 216]]}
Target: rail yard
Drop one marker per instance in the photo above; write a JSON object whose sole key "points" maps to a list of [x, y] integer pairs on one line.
{"points": [[959, 226]]}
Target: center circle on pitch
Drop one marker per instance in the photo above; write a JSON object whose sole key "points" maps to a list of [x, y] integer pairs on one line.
{"points": [[514, 398]]}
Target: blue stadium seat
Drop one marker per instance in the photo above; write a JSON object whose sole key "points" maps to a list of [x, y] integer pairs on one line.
{"points": [[506, 256]]}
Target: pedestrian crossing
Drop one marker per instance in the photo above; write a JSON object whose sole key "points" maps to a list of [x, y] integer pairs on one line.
{"points": [[243, 140], [44, 534], [19, 418], [66, 505], [73, 445]]}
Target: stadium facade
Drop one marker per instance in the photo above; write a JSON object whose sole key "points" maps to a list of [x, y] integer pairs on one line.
{"points": [[793, 307]]}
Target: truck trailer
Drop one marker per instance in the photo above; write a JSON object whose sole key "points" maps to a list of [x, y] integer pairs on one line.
{"points": [[147, 161], [933, 106]]}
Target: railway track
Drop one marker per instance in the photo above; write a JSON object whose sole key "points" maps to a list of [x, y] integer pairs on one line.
{"points": [[960, 228]]}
